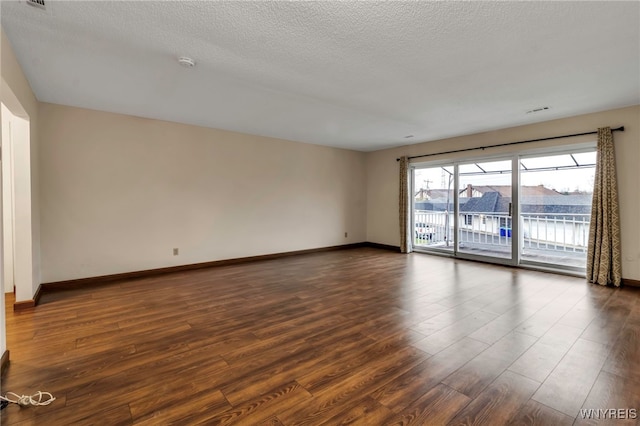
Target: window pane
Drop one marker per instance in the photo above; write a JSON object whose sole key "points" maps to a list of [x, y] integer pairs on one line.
{"points": [[433, 208], [486, 167], [547, 162], [484, 219], [469, 168], [585, 158], [496, 166], [555, 208]]}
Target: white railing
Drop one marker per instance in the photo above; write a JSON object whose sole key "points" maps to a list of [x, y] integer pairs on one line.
{"points": [[549, 231], [485, 229], [433, 228], [556, 231]]}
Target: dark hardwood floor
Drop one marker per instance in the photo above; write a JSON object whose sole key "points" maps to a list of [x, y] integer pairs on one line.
{"points": [[362, 336]]}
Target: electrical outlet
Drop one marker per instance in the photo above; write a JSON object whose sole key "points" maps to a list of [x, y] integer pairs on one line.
{"points": [[345, 235], [175, 251]]}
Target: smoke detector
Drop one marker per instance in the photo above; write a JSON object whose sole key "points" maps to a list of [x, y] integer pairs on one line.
{"points": [[186, 62]]}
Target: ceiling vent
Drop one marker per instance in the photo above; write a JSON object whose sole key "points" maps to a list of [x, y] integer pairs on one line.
{"points": [[540, 109], [37, 3]]}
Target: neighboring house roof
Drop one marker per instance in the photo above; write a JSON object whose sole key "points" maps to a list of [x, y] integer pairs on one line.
{"points": [[421, 194], [558, 199], [555, 209], [440, 193], [505, 190], [438, 205], [494, 202], [485, 204], [430, 194], [537, 191]]}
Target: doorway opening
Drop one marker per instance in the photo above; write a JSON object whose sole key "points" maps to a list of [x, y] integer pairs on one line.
{"points": [[17, 243]]}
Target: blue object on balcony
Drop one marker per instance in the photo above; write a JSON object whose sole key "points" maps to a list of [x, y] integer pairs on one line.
{"points": [[505, 232]]}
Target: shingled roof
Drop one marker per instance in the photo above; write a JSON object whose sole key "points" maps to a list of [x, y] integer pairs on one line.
{"points": [[495, 202], [485, 204], [505, 190]]}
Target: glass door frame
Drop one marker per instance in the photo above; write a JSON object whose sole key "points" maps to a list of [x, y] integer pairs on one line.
{"points": [[434, 250], [517, 239], [549, 152], [515, 210], [515, 231]]}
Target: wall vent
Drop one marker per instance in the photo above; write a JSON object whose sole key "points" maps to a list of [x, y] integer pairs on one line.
{"points": [[37, 3]]}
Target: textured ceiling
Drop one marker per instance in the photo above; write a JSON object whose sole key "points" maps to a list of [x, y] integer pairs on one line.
{"points": [[359, 75]]}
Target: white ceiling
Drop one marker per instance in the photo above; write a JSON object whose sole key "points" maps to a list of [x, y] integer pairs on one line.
{"points": [[359, 75]]}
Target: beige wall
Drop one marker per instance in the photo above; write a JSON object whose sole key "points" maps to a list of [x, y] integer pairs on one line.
{"points": [[120, 192], [382, 171]]}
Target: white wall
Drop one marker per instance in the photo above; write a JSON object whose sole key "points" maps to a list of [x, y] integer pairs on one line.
{"points": [[23, 270], [20, 100], [17, 202], [3, 327], [382, 171], [17, 95], [120, 192], [7, 201]]}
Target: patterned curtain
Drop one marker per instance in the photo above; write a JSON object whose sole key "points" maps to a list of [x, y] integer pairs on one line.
{"points": [[405, 234], [604, 259]]}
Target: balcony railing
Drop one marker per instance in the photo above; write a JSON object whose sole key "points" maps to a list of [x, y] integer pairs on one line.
{"points": [[549, 231]]}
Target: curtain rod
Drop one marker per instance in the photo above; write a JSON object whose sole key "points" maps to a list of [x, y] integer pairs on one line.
{"points": [[619, 129]]}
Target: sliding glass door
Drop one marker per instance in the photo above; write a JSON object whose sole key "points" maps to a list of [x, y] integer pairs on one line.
{"points": [[556, 194], [517, 209], [485, 225], [433, 205]]}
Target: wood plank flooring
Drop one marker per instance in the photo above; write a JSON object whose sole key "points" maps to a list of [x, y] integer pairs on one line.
{"points": [[358, 336]]}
